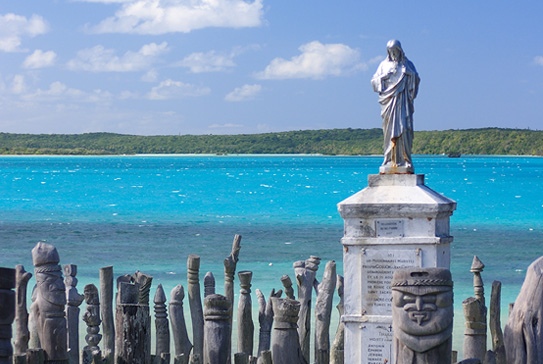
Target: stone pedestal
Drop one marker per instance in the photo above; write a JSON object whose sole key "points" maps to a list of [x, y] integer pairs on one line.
{"points": [[396, 222]]}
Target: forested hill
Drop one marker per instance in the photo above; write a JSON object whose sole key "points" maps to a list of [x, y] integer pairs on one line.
{"points": [[489, 141]]}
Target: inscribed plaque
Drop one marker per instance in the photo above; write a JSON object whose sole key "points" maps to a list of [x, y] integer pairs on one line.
{"points": [[389, 228], [377, 343], [378, 266]]}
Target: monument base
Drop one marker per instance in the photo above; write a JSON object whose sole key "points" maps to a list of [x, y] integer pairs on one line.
{"points": [[390, 169], [395, 222]]}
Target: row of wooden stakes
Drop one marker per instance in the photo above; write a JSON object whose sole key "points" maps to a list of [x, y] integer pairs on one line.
{"points": [[50, 332]]}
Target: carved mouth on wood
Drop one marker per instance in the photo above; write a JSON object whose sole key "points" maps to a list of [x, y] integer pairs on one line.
{"points": [[419, 317]]}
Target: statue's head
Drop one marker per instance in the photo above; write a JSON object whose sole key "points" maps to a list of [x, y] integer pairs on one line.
{"points": [[48, 274], [395, 51], [422, 301]]}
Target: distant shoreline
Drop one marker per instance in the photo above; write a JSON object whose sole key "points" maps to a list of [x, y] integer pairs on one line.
{"points": [[189, 155], [333, 142]]}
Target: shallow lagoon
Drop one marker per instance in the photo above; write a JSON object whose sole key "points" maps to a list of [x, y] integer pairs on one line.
{"points": [[151, 212]]}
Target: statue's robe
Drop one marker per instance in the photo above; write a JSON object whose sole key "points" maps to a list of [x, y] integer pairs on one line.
{"points": [[397, 84]]}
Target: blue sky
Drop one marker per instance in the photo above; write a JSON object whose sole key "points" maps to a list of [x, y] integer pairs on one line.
{"points": [[231, 66]]}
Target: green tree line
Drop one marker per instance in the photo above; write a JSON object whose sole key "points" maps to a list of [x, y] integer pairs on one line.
{"points": [[488, 141]]}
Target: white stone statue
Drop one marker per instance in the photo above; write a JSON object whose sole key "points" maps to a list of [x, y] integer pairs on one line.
{"points": [[397, 83]]}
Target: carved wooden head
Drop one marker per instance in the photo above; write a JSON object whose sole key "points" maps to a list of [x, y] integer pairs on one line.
{"points": [[422, 306]]}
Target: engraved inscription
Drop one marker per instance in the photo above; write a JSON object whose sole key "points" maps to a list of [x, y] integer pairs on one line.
{"points": [[378, 266], [389, 228], [377, 343]]}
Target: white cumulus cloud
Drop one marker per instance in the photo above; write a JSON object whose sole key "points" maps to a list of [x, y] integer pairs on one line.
{"points": [[243, 93], [538, 60], [170, 89], [316, 61], [167, 16], [57, 91], [207, 62], [14, 27], [40, 59], [100, 59]]}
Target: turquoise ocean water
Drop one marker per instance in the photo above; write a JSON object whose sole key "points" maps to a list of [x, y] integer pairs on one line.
{"points": [[149, 213]]}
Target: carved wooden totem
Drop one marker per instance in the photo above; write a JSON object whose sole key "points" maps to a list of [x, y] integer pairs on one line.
{"points": [[422, 315], [49, 304], [21, 313], [323, 312], [93, 321], [162, 327], [181, 341], [106, 311], [305, 278], [286, 345], [74, 300], [217, 330], [265, 318], [245, 317], [195, 304], [7, 313]]}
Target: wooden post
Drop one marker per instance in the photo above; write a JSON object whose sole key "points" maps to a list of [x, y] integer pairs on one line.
{"points": [[35, 356], [145, 281], [21, 314], [106, 311], [73, 300], [162, 327], [209, 284], [50, 303], [132, 327], [476, 268], [287, 283], [305, 278], [523, 332], [245, 315], [195, 304], [7, 313], [241, 358], [336, 355], [323, 311], [218, 311], [265, 357], [490, 357], [475, 315], [498, 345], [91, 352], [265, 318], [475, 333], [230, 264], [182, 344], [34, 336], [286, 345], [195, 359], [230, 268]]}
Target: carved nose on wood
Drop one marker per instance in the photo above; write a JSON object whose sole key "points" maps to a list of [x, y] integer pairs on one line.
{"points": [[419, 303]]}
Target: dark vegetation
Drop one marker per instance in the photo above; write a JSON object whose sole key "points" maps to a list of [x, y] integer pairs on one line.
{"points": [[488, 141]]}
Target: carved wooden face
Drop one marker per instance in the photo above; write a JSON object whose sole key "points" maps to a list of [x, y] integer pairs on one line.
{"points": [[51, 288], [423, 310]]}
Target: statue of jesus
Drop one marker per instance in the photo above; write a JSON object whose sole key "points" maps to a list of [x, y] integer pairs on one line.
{"points": [[397, 82]]}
